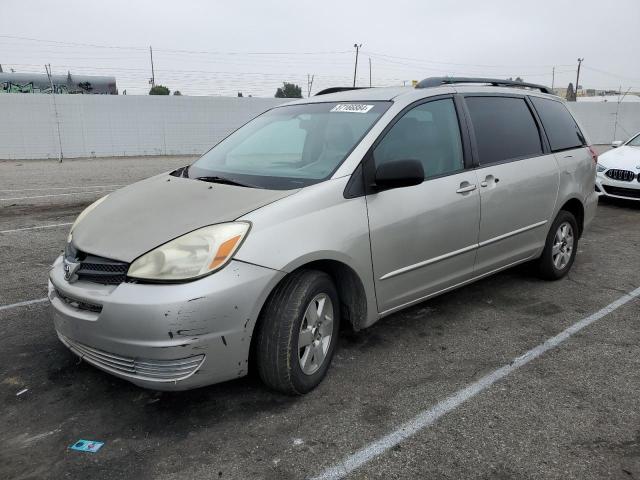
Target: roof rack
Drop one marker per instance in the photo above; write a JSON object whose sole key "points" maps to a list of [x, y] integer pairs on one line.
{"points": [[337, 89], [496, 82]]}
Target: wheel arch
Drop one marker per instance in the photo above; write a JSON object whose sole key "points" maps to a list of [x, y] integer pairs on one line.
{"points": [[355, 303]]}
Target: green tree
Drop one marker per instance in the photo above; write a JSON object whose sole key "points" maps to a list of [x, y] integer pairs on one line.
{"points": [[159, 90], [177, 92], [289, 90], [571, 94]]}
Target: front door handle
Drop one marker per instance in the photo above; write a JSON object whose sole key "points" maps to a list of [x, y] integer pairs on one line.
{"points": [[466, 188]]}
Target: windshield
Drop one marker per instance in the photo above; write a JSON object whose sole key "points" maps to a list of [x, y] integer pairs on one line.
{"points": [[290, 147], [635, 141]]}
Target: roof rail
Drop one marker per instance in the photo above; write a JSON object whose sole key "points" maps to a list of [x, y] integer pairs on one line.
{"points": [[337, 89], [496, 82]]}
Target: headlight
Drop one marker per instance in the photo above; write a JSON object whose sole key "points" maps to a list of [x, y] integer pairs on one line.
{"points": [[192, 255], [600, 168], [83, 214]]}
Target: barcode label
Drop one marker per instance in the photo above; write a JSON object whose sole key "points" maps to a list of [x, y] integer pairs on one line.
{"points": [[352, 108]]}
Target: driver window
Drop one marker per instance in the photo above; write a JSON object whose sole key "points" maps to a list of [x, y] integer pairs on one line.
{"points": [[428, 133]]}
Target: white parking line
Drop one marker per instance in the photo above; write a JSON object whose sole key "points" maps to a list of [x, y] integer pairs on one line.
{"points": [[60, 188], [36, 227], [428, 417], [55, 195], [23, 304]]}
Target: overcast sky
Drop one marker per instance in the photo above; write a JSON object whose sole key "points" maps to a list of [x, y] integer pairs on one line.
{"points": [[219, 48]]}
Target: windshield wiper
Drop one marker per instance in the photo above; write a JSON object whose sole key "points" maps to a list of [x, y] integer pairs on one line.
{"points": [[226, 181]]}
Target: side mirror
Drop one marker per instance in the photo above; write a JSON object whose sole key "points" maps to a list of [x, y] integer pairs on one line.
{"points": [[398, 174], [616, 143]]}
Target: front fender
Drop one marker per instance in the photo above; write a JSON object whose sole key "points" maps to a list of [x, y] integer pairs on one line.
{"points": [[317, 223]]}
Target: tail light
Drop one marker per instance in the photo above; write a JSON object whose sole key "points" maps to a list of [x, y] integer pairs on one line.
{"points": [[594, 154]]}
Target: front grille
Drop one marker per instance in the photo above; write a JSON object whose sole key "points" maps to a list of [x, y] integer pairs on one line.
{"points": [[97, 269], [622, 175], [622, 192], [138, 368], [102, 270]]}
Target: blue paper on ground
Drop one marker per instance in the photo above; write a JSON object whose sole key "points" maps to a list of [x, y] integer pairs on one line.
{"points": [[87, 446]]}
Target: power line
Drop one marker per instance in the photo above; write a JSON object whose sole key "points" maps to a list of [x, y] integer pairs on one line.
{"points": [[258, 69], [611, 74], [420, 60], [120, 47]]}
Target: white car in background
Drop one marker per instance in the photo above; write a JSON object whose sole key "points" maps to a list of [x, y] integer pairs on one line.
{"points": [[618, 170]]}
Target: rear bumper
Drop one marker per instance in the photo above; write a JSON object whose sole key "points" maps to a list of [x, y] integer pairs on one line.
{"points": [[164, 337]]}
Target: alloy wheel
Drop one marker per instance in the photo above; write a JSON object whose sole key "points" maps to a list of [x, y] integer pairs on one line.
{"points": [[316, 330], [562, 246]]}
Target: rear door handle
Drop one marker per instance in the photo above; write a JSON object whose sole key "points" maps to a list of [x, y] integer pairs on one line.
{"points": [[489, 179], [467, 188]]}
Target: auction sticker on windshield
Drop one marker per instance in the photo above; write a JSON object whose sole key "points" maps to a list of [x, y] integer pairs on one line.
{"points": [[352, 108]]}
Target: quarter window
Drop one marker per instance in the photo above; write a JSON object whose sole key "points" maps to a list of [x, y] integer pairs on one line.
{"points": [[559, 125], [504, 129], [428, 133]]}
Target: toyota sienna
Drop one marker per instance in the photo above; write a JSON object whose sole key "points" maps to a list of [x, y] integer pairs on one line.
{"points": [[341, 208]]}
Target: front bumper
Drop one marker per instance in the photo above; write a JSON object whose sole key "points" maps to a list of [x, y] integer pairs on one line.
{"points": [[608, 187], [164, 337]]}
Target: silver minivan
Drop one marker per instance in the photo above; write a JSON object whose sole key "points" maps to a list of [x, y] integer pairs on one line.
{"points": [[338, 209]]}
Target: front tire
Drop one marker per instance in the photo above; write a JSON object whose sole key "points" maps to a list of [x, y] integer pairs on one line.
{"points": [[298, 332], [560, 248]]}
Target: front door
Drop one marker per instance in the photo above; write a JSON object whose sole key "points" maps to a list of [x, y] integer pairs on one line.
{"points": [[424, 237]]}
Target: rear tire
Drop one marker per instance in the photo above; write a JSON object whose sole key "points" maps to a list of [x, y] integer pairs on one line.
{"points": [[560, 248], [298, 332]]}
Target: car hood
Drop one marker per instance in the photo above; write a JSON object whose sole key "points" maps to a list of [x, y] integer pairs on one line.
{"points": [[146, 214], [624, 158]]}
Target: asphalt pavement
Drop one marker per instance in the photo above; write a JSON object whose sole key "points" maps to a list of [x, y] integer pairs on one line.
{"points": [[571, 412]]}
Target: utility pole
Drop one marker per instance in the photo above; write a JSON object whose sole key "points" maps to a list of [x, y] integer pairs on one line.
{"points": [[355, 70], [55, 110], [369, 72], [309, 84], [553, 78], [578, 76], [153, 76]]}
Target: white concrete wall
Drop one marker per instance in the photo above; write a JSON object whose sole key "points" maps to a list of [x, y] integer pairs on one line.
{"points": [[105, 125], [98, 126], [599, 120]]}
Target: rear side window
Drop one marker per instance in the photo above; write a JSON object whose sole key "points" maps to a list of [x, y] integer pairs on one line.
{"points": [[559, 125], [504, 128]]}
